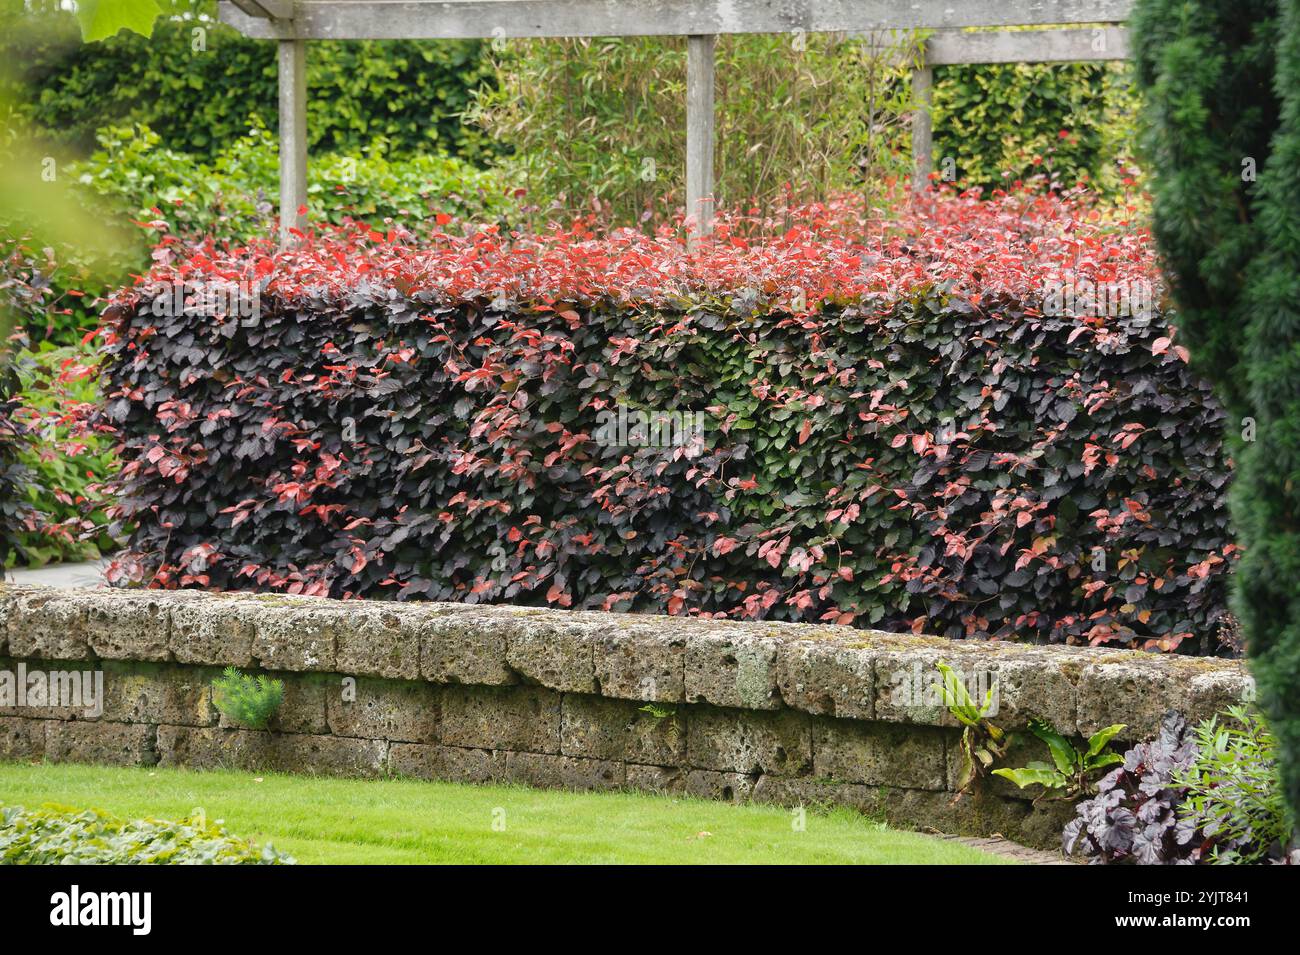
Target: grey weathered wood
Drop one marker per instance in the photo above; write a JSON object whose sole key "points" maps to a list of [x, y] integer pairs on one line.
{"points": [[293, 135], [699, 132], [947, 48], [922, 128], [272, 9], [463, 19]]}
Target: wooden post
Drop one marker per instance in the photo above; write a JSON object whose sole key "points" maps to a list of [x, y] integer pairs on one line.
{"points": [[922, 132], [699, 133], [293, 136]]}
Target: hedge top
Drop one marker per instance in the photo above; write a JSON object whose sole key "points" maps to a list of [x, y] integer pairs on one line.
{"points": [[835, 252]]}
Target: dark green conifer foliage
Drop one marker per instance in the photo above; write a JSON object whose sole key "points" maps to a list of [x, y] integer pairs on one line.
{"points": [[1222, 80]]}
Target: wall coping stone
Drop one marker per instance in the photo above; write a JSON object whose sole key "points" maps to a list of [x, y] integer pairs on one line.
{"points": [[831, 671]]}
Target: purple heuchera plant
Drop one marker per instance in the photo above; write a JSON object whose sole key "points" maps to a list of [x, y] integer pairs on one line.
{"points": [[1134, 818]]}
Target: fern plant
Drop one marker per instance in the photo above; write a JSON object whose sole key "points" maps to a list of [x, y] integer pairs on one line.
{"points": [[981, 741], [1072, 771], [248, 701]]}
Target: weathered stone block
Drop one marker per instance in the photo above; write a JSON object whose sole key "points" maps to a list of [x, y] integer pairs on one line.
{"points": [[728, 787], [117, 744], [880, 754], [379, 643], [21, 738], [128, 625], [1120, 692], [1215, 690], [48, 624], [809, 792], [211, 632], [655, 779], [749, 742], [563, 772], [826, 678], [384, 709], [732, 670], [297, 638], [642, 663], [210, 747], [551, 653], [449, 763], [154, 693], [460, 648], [489, 717], [600, 728]]}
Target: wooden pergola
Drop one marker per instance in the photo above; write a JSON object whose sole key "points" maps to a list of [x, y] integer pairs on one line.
{"points": [[292, 23]]}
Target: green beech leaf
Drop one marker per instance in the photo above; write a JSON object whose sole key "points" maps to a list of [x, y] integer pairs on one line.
{"points": [[100, 19]]}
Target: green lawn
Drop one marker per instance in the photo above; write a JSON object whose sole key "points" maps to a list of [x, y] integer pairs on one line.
{"points": [[394, 821]]}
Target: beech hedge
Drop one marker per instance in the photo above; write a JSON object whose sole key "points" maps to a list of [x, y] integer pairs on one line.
{"points": [[926, 424]]}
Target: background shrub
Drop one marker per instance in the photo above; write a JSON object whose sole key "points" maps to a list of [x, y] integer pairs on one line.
{"points": [[58, 835], [1070, 122], [133, 177], [605, 119], [894, 436], [200, 100], [67, 461]]}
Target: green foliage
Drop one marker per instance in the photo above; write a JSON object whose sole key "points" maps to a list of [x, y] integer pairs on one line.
{"points": [[70, 461], [982, 743], [197, 82], [59, 835], [249, 701], [133, 176], [100, 19], [1000, 123], [605, 119], [1233, 791], [1223, 83], [1072, 771]]}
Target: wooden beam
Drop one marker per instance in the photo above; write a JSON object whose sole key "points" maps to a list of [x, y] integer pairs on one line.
{"points": [[949, 48], [293, 136], [266, 9], [922, 130], [466, 19], [699, 133]]}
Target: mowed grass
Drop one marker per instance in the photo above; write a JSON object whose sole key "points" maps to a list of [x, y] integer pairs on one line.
{"points": [[397, 821]]}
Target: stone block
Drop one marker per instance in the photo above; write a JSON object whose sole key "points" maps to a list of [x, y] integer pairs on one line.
{"points": [[48, 624], [880, 754], [563, 772], [732, 669], [379, 643], [21, 739], [462, 648], [386, 709], [600, 728], [514, 718], [749, 742], [450, 763], [115, 744], [642, 662], [827, 679]]}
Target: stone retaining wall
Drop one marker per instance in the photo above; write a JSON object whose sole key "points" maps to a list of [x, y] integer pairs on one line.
{"points": [[786, 713]]}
